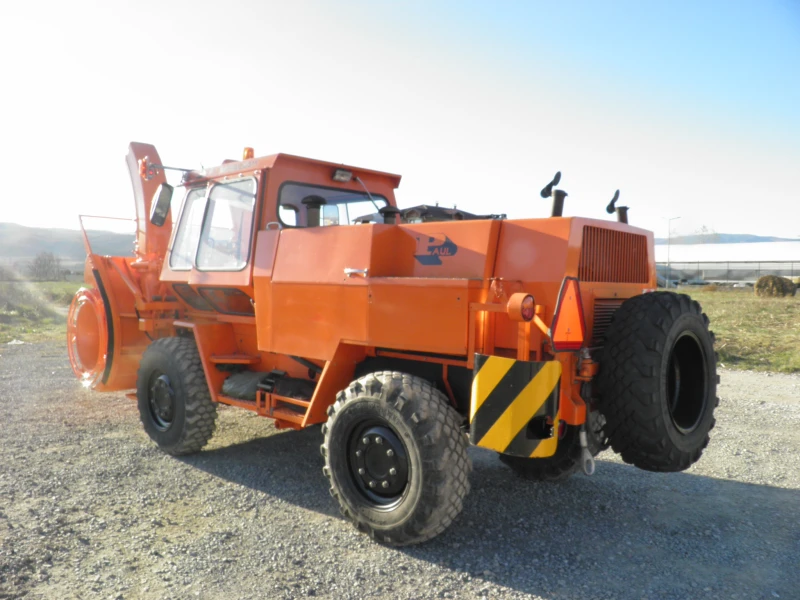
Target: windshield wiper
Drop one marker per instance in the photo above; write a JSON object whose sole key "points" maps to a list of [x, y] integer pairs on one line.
{"points": [[375, 204]]}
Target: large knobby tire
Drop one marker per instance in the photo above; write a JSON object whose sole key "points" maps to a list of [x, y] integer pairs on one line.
{"points": [[657, 385], [175, 405], [396, 458]]}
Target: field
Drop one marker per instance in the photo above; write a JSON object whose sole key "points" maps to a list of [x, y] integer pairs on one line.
{"points": [[762, 334]]}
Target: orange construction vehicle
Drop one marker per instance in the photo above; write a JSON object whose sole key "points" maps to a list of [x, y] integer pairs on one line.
{"points": [[296, 289]]}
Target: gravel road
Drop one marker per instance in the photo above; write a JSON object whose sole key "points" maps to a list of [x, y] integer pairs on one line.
{"points": [[89, 508]]}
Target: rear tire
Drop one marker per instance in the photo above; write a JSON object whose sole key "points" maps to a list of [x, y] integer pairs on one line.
{"points": [[396, 458], [175, 405], [658, 381], [567, 459], [557, 468]]}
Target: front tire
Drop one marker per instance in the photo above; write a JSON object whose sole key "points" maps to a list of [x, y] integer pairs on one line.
{"points": [[396, 458], [658, 381], [175, 405]]}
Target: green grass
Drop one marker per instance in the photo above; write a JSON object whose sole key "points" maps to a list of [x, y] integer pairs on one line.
{"points": [[753, 333], [34, 311]]}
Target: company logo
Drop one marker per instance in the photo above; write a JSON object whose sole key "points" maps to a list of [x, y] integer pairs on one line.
{"points": [[431, 249]]}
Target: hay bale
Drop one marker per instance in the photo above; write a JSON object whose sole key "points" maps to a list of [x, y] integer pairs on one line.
{"points": [[774, 286]]}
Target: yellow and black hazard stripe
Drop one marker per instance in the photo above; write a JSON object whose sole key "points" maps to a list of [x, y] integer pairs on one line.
{"points": [[507, 395]]}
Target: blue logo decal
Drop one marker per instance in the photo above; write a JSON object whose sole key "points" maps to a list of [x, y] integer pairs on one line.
{"points": [[431, 248]]}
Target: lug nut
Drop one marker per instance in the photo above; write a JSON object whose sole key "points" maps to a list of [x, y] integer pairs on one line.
{"points": [[372, 484], [390, 453], [361, 471], [359, 453], [392, 471], [365, 440], [385, 484], [378, 440]]}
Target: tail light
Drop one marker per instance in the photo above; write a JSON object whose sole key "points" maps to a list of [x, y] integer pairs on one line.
{"points": [[521, 307], [568, 331]]}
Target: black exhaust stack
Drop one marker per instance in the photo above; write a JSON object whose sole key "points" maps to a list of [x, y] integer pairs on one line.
{"points": [[558, 195], [389, 214], [622, 211]]}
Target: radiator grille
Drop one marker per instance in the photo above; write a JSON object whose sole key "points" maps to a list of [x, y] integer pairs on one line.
{"points": [[610, 256], [604, 309]]}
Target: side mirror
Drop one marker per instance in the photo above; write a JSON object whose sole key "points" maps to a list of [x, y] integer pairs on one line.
{"points": [[159, 209]]}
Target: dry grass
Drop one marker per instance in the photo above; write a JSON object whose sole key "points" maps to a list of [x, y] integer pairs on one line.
{"points": [[34, 311], [753, 333]]}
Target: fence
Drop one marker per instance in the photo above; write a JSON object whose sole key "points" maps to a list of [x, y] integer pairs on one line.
{"points": [[728, 271]]}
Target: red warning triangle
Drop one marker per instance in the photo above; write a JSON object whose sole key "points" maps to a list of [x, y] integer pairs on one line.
{"points": [[568, 330]]}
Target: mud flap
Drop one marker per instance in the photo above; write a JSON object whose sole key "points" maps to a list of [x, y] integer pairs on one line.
{"points": [[514, 406]]}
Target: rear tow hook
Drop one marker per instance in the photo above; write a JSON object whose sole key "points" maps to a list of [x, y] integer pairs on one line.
{"points": [[587, 460]]}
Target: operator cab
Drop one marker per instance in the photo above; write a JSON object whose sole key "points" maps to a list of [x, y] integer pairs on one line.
{"points": [[210, 258]]}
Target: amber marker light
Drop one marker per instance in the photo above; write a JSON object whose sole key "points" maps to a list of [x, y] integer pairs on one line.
{"points": [[248, 153]]}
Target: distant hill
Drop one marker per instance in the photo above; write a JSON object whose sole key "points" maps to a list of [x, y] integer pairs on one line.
{"points": [[24, 243], [723, 238], [20, 243]]}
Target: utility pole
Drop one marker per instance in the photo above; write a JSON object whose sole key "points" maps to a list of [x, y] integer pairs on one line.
{"points": [[669, 238]]}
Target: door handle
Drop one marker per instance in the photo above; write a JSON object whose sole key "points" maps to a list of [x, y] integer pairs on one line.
{"points": [[350, 272]]}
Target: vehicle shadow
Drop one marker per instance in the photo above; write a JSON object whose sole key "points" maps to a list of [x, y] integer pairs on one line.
{"points": [[623, 533]]}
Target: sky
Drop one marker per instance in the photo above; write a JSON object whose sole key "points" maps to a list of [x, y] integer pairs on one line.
{"points": [[691, 109]]}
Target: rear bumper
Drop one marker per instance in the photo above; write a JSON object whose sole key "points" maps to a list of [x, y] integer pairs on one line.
{"points": [[514, 406]]}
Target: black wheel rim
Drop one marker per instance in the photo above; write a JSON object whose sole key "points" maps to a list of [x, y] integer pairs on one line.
{"points": [[161, 400], [378, 464], [687, 383]]}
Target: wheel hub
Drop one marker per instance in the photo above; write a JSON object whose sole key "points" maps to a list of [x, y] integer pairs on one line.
{"points": [[379, 464], [162, 401]]}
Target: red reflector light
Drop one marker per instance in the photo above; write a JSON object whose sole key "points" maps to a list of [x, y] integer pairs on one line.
{"points": [[527, 308], [521, 307], [568, 331]]}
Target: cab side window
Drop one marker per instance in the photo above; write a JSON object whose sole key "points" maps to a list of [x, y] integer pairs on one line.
{"points": [[185, 244], [306, 205]]}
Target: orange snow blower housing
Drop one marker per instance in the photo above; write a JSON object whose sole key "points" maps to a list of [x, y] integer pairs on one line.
{"points": [[297, 289]]}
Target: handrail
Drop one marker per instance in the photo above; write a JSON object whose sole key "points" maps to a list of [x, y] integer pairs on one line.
{"points": [[86, 244]]}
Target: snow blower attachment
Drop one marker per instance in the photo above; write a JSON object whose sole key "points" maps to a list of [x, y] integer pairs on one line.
{"points": [[296, 289]]}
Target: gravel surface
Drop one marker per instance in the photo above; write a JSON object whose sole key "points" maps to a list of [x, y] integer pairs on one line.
{"points": [[89, 508]]}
